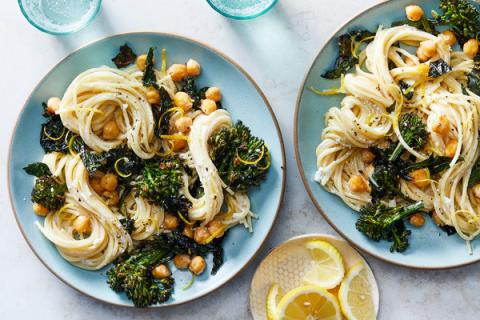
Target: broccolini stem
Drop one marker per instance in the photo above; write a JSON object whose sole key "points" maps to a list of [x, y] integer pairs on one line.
{"points": [[397, 152], [411, 209]]}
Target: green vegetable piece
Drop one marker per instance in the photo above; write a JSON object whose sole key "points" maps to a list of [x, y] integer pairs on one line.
{"points": [[37, 169], [461, 16], [407, 90], [438, 68], [413, 131], [125, 57], [379, 222], [149, 78], [49, 193]]}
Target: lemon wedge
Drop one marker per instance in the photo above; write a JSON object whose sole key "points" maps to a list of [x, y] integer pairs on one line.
{"points": [[355, 295], [327, 269], [273, 299], [308, 302]]}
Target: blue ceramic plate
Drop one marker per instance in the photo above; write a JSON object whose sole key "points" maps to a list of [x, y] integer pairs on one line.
{"points": [[430, 248], [242, 98]]}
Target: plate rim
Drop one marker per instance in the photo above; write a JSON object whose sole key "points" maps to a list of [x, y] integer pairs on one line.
{"points": [[302, 170], [307, 236], [283, 164]]}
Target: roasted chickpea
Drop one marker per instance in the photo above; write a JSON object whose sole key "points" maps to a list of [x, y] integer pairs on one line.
{"points": [[183, 124], [450, 39], [201, 234], [442, 126], [476, 190], [426, 50], [39, 209], [141, 62], [109, 182], [193, 68], [111, 197], [208, 106], [188, 232], [161, 271], [96, 185], [82, 224], [471, 48], [417, 220], [213, 93], [182, 100], [358, 183], [110, 130], [451, 148], [197, 265], [177, 72], [53, 104], [216, 227], [170, 222], [437, 219], [181, 261], [153, 96], [420, 178], [367, 156], [414, 12], [179, 144]]}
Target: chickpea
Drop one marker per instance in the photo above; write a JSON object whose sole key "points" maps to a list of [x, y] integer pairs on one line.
{"points": [[53, 104], [420, 178], [179, 144], [181, 261], [201, 235], [216, 227], [170, 222], [161, 271], [476, 190], [39, 209], [442, 127], [417, 220], [111, 198], [141, 62], [451, 148], [193, 68], [153, 96], [197, 265], [437, 219], [182, 100], [177, 72], [183, 124], [213, 93], [357, 183], [111, 130], [426, 50], [367, 156], [82, 224], [109, 182], [208, 106], [414, 12], [450, 39], [471, 48], [96, 185], [188, 232]]}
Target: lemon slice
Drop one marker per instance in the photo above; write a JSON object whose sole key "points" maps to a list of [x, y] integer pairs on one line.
{"points": [[308, 302], [327, 268], [273, 299], [355, 295]]}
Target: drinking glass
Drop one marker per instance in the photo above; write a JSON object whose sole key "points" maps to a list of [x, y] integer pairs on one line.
{"points": [[242, 9], [59, 16]]}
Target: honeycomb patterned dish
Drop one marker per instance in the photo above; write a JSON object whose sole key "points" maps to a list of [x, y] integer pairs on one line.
{"points": [[286, 265]]}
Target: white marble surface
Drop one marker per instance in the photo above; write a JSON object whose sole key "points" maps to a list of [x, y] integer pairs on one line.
{"points": [[276, 49]]}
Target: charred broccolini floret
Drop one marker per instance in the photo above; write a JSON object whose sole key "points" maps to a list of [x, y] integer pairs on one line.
{"points": [[242, 160], [132, 274], [379, 222], [413, 131], [462, 16], [160, 182], [47, 191]]}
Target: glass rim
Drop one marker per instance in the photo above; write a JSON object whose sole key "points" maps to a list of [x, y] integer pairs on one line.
{"points": [[43, 29], [242, 17]]}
